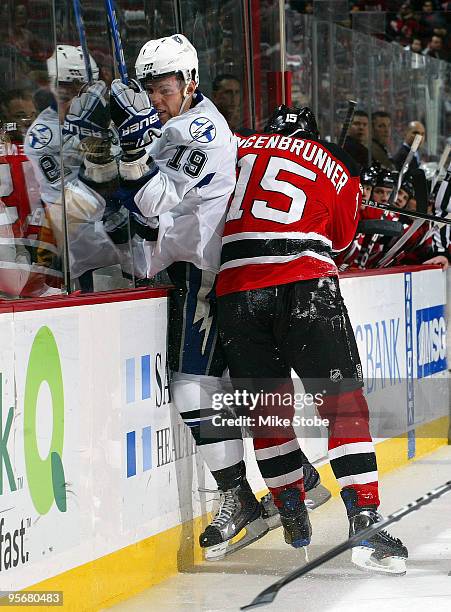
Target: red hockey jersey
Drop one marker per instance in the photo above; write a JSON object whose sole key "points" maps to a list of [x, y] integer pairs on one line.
{"points": [[27, 249], [19, 191], [295, 202]]}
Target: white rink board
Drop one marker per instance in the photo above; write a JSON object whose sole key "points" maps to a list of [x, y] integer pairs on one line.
{"points": [[129, 462], [105, 510]]}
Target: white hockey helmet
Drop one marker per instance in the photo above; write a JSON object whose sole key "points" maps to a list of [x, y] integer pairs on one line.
{"points": [[167, 56], [66, 65]]}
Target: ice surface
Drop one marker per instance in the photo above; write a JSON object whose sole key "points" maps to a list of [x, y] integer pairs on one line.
{"points": [[337, 586]]}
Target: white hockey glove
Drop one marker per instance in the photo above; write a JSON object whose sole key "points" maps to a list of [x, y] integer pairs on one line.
{"points": [[134, 116], [88, 115]]}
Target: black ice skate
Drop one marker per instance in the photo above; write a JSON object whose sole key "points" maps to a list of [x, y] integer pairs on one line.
{"points": [[382, 553], [315, 495], [237, 523], [270, 512], [295, 520]]}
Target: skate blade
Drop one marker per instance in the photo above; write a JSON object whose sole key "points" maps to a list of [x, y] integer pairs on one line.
{"points": [[273, 521], [250, 533], [363, 558], [317, 497]]}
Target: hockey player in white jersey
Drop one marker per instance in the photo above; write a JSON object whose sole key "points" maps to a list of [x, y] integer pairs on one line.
{"points": [[182, 183], [90, 246], [180, 180], [67, 73]]}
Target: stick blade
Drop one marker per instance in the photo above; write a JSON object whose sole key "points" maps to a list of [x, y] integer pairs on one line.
{"points": [[264, 598]]}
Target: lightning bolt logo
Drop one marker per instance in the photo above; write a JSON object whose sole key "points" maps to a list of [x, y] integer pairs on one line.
{"points": [[40, 136], [202, 130], [203, 311]]}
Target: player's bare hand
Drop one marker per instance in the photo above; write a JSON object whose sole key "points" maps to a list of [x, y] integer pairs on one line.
{"points": [[440, 260]]}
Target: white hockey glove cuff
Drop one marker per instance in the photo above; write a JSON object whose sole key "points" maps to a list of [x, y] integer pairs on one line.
{"points": [[100, 173], [138, 168]]}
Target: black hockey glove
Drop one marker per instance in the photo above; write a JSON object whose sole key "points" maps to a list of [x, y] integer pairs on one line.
{"points": [[134, 116], [121, 226]]}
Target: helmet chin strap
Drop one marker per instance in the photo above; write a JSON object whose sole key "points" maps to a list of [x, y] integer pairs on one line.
{"points": [[186, 97]]}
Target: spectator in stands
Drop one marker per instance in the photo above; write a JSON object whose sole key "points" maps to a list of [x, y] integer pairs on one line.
{"points": [[106, 68], [372, 5], [434, 47], [226, 94], [356, 142], [404, 26], [302, 6], [415, 46], [18, 108], [431, 21], [381, 126], [14, 69], [413, 129], [21, 36]]}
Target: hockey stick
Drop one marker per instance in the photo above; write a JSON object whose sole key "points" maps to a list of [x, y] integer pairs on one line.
{"points": [[121, 67], [441, 165], [347, 122], [116, 38], [407, 213], [405, 168], [391, 253], [82, 36], [269, 594]]}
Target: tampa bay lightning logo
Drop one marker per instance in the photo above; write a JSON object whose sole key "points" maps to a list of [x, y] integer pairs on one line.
{"points": [[40, 136], [202, 130]]}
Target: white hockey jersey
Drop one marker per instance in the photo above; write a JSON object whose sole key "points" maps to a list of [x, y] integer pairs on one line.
{"points": [[42, 146], [196, 157], [90, 247]]}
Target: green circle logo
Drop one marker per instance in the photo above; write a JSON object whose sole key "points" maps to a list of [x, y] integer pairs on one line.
{"points": [[45, 477]]}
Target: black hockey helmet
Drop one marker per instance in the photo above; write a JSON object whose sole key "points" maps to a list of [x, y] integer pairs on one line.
{"points": [[387, 178], [408, 187], [368, 176], [293, 122]]}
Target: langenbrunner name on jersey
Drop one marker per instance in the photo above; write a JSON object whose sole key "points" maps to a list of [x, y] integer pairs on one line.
{"points": [[309, 151]]}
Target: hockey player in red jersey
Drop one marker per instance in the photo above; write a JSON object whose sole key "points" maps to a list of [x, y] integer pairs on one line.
{"points": [[427, 245], [367, 249], [350, 256], [279, 307]]}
